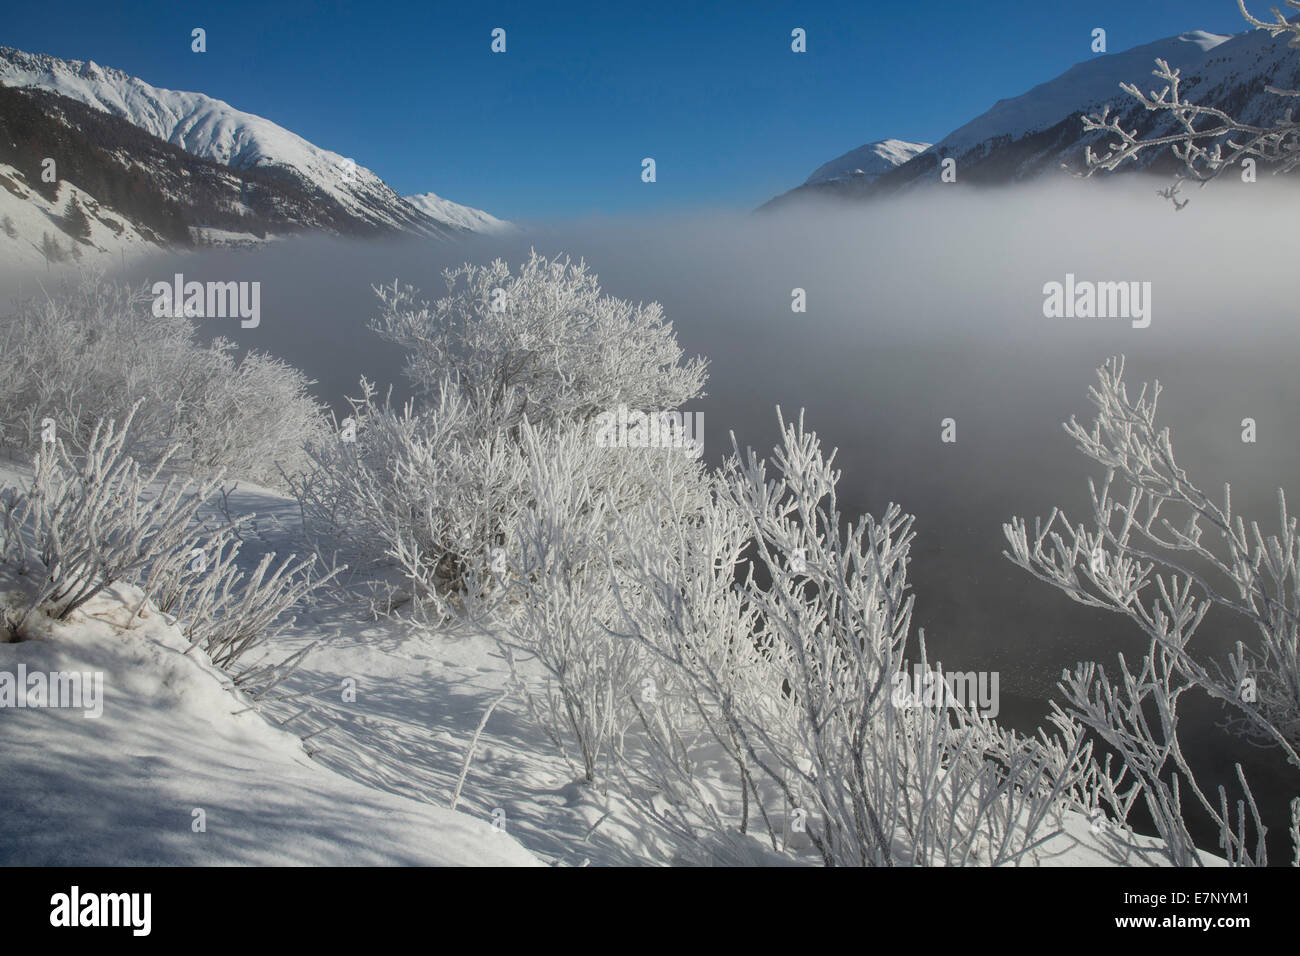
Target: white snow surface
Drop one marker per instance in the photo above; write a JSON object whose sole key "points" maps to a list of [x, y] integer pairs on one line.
{"points": [[121, 789]]}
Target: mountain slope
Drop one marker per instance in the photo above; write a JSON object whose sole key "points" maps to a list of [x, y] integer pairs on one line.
{"points": [[1084, 88], [166, 192], [33, 229], [214, 130], [453, 213]]}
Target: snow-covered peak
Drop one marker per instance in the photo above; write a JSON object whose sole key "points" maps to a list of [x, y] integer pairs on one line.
{"points": [[867, 162], [466, 217], [199, 124]]}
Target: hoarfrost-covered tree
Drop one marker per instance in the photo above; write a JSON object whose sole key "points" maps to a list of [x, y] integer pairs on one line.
{"points": [[562, 564], [435, 490], [545, 343], [96, 520], [94, 349], [231, 613], [250, 417], [427, 493], [89, 521]]}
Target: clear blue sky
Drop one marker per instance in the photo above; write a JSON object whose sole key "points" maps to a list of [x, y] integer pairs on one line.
{"points": [[558, 125]]}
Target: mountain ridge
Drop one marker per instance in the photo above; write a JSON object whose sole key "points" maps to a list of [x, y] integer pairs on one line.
{"points": [[214, 130], [1040, 131]]}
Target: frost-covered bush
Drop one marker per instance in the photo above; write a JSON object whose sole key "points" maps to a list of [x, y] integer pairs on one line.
{"points": [[89, 521], [719, 648], [433, 491], [252, 417], [428, 494], [1161, 552], [562, 566], [789, 630], [95, 350], [230, 612], [545, 344], [75, 356], [95, 521]]}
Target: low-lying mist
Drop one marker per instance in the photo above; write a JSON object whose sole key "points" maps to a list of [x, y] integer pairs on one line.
{"points": [[919, 309]]}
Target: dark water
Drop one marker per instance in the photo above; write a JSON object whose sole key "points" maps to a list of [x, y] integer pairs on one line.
{"points": [[917, 313]]}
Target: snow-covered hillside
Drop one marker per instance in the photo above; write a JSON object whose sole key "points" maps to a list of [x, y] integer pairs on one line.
{"points": [[172, 738], [867, 162], [215, 130], [29, 216]]}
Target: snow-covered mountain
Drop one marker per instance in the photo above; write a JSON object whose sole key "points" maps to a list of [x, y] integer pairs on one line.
{"points": [[137, 192], [465, 217], [1041, 131], [214, 130], [867, 162]]}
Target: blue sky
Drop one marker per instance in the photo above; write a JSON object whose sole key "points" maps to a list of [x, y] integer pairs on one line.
{"points": [[558, 125]]}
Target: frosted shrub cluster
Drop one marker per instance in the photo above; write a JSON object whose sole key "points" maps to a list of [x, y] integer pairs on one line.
{"points": [[425, 495], [565, 566], [733, 663], [95, 350], [95, 521], [89, 521], [432, 492], [722, 648], [544, 344], [743, 696]]}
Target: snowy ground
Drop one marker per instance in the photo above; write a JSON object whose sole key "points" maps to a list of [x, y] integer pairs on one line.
{"points": [[123, 788], [371, 784]]}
